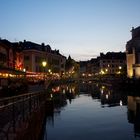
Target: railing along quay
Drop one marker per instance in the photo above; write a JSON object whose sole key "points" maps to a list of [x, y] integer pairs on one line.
{"points": [[14, 111]]}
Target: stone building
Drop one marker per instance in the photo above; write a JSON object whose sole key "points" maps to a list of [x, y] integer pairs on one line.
{"points": [[18, 58], [8, 55], [94, 66], [112, 63], [109, 63], [34, 54], [133, 54]]}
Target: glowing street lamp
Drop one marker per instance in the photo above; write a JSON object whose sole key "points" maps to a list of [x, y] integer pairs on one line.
{"points": [[44, 63], [120, 67], [24, 70], [49, 70], [102, 72]]}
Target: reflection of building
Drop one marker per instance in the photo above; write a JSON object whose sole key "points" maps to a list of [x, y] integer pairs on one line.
{"points": [[84, 88], [111, 98], [134, 113], [133, 54], [83, 68]]}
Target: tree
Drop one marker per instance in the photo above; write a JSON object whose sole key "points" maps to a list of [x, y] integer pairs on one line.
{"points": [[72, 67]]}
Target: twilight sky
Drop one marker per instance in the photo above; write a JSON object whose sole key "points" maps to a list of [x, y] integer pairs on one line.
{"points": [[81, 28]]}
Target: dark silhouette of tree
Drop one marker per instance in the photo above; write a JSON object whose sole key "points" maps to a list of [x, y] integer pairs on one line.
{"points": [[72, 67]]}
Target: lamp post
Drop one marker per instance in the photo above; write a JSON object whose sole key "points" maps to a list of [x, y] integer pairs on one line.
{"points": [[44, 63]]}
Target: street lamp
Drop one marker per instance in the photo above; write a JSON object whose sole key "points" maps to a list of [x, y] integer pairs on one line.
{"points": [[120, 67], [44, 63], [49, 70], [24, 70]]}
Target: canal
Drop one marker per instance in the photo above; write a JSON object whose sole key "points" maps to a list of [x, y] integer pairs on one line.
{"points": [[88, 111]]}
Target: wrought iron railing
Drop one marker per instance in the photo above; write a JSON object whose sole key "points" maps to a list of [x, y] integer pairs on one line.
{"points": [[14, 111]]}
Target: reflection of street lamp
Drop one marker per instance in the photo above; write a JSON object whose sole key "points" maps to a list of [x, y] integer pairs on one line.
{"points": [[44, 63]]}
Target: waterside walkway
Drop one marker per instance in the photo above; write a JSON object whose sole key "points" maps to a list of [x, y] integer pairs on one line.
{"points": [[22, 116]]}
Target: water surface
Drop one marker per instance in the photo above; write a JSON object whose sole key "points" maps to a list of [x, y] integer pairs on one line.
{"points": [[92, 112]]}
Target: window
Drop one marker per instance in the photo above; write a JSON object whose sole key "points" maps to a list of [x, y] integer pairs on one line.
{"points": [[62, 65], [27, 68], [26, 58], [2, 57], [55, 61], [36, 68], [38, 59]]}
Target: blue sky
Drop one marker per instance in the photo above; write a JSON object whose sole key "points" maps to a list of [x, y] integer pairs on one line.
{"points": [[81, 28]]}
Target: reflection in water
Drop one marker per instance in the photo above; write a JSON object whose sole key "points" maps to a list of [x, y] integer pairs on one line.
{"points": [[106, 95], [134, 113], [70, 100], [110, 97]]}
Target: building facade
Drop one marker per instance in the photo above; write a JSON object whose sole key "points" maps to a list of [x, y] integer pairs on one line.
{"points": [[34, 54], [133, 54], [56, 62], [94, 66], [89, 68], [8, 56], [18, 58], [112, 63]]}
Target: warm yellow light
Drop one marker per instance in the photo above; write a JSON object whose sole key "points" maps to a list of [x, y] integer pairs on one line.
{"points": [[89, 74], [106, 96], [83, 74], [51, 96], [73, 71], [10, 75], [106, 70], [24, 70], [118, 72], [120, 67], [121, 103], [103, 87], [64, 91], [102, 72], [44, 63], [49, 70]]}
